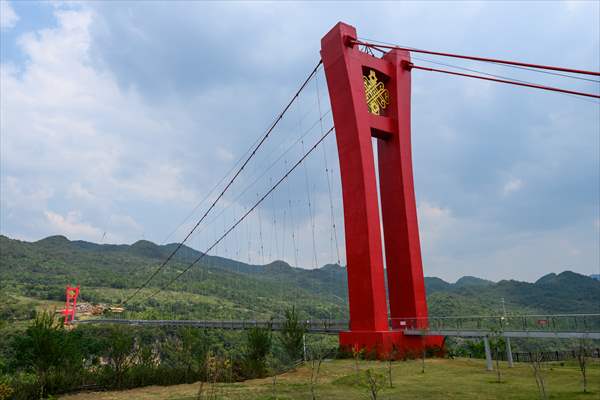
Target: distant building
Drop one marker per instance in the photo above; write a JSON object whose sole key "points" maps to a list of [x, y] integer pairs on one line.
{"points": [[595, 276]]}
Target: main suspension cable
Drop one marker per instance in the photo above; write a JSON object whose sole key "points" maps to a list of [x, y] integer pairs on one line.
{"points": [[581, 78], [231, 181], [510, 82], [243, 217], [265, 171], [501, 77], [475, 58]]}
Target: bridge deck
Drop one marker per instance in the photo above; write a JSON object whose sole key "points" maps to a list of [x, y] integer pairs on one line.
{"points": [[325, 326], [336, 326], [511, 334]]}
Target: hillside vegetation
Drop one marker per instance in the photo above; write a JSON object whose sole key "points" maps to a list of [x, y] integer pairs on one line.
{"points": [[38, 355], [32, 273]]}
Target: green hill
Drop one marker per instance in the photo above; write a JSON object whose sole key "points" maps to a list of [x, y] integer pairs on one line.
{"points": [[219, 288]]}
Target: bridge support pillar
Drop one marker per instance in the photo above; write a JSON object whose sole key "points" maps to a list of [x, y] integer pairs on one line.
{"points": [[509, 357], [370, 98], [388, 344], [489, 365]]}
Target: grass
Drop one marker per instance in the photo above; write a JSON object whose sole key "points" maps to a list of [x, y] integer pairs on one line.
{"points": [[463, 379], [170, 297]]}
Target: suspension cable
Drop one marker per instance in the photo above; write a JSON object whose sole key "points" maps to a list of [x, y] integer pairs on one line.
{"points": [[222, 193], [530, 85], [243, 217], [334, 231], [251, 185], [581, 78], [504, 77], [494, 60]]}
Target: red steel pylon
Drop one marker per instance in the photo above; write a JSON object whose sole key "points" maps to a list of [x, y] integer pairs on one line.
{"points": [[70, 304]]}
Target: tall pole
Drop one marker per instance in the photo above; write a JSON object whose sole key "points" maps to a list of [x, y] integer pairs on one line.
{"points": [[509, 357]]}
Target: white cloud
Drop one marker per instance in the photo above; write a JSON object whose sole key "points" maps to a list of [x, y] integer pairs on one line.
{"points": [[224, 154], [432, 212], [69, 127], [21, 195], [131, 131], [511, 186], [78, 192], [162, 183], [8, 16], [72, 226]]}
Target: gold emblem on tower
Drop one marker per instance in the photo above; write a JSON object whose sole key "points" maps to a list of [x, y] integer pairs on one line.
{"points": [[378, 97]]}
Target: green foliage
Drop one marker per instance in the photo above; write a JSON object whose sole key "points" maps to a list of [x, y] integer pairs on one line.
{"points": [[37, 354], [292, 335], [34, 274], [118, 357], [258, 346], [6, 391], [374, 381], [119, 352], [185, 352], [25, 386], [46, 348]]}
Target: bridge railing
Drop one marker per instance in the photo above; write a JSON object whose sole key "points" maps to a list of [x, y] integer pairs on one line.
{"points": [[318, 325], [533, 322], [520, 323]]}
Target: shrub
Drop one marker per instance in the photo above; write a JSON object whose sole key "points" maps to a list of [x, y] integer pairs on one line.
{"points": [[258, 346], [292, 335]]}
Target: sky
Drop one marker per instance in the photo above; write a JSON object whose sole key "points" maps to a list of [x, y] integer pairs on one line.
{"points": [[118, 118]]}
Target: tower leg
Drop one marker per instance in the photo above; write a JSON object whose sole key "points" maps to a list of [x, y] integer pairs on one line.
{"points": [[404, 267], [366, 284]]}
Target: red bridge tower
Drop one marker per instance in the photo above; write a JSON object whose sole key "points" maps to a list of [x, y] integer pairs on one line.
{"points": [[370, 97], [70, 304]]}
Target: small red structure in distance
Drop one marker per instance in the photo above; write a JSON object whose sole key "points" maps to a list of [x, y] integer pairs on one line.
{"points": [[70, 304]]}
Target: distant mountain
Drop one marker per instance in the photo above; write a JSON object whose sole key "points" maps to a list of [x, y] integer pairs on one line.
{"points": [[472, 281], [219, 287], [433, 284], [567, 292]]}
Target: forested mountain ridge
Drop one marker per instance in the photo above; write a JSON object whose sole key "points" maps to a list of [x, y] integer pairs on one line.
{"points": [[219, 287]]}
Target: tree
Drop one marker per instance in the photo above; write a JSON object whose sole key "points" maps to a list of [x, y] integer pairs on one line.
{"points": [[423, 348], [186, 351], [498, 343], [316, 354], [375, 382], [535, 359], [275, 368], [357, 353], [45, 347], [119, 348], [216, 369], [292, 335], [258, 347], [582, 361], [390, 357]]}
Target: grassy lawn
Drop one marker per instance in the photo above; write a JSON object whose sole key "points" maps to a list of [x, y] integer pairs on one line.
{"points": [[443, 379]]}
